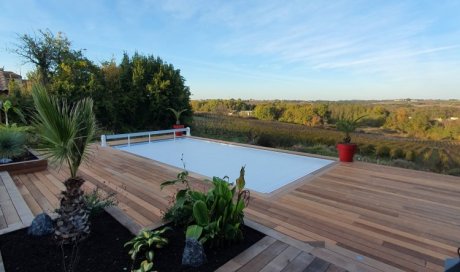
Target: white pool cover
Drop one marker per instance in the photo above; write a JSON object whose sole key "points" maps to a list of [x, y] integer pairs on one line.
{"points": [[266, 170]]}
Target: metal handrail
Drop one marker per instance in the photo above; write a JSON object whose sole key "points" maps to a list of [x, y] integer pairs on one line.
{"points": [[104, 138]]}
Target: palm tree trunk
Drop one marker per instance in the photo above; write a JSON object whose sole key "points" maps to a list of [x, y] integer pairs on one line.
{"points": [[72, 224]]}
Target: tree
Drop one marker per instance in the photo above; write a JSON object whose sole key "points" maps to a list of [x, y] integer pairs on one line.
{"points": [[267, 112], [45, 50], [66, 131]]}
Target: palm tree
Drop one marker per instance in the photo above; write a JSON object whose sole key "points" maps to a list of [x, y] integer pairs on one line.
{"points": [[66, 132], [177, 114]]}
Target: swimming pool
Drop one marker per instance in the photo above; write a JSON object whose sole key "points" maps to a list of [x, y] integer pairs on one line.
{"points": [[266, 170]]}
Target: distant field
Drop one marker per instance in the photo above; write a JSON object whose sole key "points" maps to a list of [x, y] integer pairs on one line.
{"points": [[428, 155]]}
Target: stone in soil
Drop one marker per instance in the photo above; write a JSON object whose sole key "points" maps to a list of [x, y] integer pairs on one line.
{"points": [[193, 253], [41, 225]]}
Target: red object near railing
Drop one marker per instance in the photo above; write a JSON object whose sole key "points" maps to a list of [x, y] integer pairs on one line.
{"points": [[178, 133], [346, 152]]}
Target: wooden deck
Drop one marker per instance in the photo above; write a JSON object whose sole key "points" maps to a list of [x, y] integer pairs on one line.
{"points": [[270, 254], [361, 217], [14, 213]]}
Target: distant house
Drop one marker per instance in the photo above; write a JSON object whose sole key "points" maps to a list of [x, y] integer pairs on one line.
{"points": [[6, 77]]}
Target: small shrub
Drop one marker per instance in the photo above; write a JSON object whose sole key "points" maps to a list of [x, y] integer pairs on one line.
{"points": [[96, 202], [318, 149], [265, 140], [382, 151], [404, 164], [180, 212], [367, 150], [454, 172], [12, 143], [396, 153], [410, 155], [144, 243]]}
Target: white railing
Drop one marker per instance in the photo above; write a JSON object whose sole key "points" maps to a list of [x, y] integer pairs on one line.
{"points": [[129, 136]]}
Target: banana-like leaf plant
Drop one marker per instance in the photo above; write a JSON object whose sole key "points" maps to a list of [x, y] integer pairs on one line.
{"points": [[66, 132], [177, 114]]}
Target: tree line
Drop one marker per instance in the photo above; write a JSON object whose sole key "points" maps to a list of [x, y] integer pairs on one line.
{"points": [[132, 94], [429, 121]]}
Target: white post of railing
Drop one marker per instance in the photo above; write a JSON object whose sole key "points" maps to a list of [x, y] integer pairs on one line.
{"points": [[187, 133], [149, 138], [103, 141], [174, 134], [129, 140]]}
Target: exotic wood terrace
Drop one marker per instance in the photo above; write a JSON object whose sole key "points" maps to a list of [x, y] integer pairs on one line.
{"points": [[357, 217]]}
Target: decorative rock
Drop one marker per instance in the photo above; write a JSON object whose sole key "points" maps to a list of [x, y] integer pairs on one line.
{"points": [[193, 253], [41, 225], [5, 160]]}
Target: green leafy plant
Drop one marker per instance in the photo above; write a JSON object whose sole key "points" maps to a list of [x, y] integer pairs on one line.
{"points": [[218, 214], [348, 126], [144, 243], [177, 114], [66, 131], [180, 212], [12, 144], [96, 201], [6, 106]]}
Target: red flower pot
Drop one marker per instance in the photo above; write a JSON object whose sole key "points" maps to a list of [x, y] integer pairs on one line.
{"points": [[178, 133], [346, 152]]}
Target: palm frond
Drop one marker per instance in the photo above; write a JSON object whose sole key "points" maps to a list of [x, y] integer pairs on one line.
{"points": [[65, 131], [177, 113]]}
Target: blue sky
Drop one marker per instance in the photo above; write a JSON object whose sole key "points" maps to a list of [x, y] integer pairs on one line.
{"points": [[265, 49]]}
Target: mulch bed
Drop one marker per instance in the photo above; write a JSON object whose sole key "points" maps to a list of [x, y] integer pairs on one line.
{"points": [[217, 257], [26, 157], [104, 250]]}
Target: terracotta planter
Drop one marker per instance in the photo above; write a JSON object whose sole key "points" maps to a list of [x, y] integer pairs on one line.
{"points": [[346, 152], [178, 133]]}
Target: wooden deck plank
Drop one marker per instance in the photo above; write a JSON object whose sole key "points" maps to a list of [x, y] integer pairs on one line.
{"points": [[261, 260], [282, 260], [299, 263]]}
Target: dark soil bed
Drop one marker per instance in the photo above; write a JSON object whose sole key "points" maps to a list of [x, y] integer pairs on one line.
{"points": [[217, 257], [104, 251], [26, 157]]}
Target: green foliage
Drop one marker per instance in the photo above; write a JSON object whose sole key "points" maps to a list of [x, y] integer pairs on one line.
{"points": [[322, 141], [45, 50], [221, 105], [427, 120], [215, 216], [397, 153], [348, 126], [410, 155], [404, 164], [131, 95], [12, 142], [180, 213], [367, 149], [137, 92], [66, 131], [6, 106], [218, 214], [382, 151], [177, 114], [96, 202], [267, 112], [144, 243], [454, 172]]}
